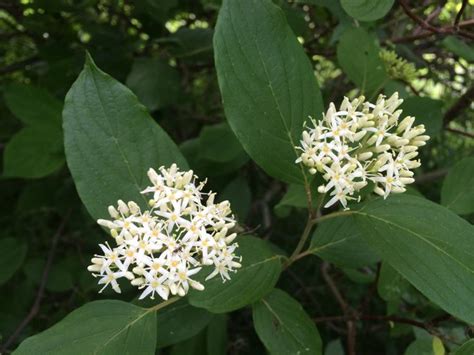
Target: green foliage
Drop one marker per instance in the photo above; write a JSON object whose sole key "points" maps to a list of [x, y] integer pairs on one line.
{"points": [[111, 141], [361, 63], [457, 193], [15, 252], [257, 276], [99, 327], [225, 88], [266, 84], [428, 245], [367, 10], [155, 83], [180, 321], [339, 241], [284, 327]]}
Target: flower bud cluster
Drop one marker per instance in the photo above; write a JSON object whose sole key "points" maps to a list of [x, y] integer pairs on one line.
{"points": [[360, 143], [397, 67], [160, 249]]}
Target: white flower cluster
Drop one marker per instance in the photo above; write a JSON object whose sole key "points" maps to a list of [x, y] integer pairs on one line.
{"points": [[362, 142], [159, 250]]}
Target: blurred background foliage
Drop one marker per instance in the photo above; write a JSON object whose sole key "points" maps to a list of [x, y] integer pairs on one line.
{"points": [[162, 50]]}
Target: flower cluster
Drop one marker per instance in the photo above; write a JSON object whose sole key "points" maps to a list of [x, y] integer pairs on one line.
{"points": [[397, 67], [160, 249], [362, 142]]}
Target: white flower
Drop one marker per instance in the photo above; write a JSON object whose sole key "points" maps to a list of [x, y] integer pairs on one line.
{"points": [[359, 143], [159, 249]]}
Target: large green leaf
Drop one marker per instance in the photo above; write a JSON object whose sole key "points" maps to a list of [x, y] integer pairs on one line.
{"points": [[13, 254], [358, 55], [180, 321], [339, 241], [33, 105], [217, 335], [34, 152], [457, 192], [284, 327], [99, 327], [111, 141], [427, 244], [426, 111], [267, 84], [155, 82], [367, 10], [257, 276], [391, 285]]}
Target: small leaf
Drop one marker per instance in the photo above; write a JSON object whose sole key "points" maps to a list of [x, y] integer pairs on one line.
{"points": [[459, 48], [180, 321], [155, 83], [428, 245], [13, 255], [111, 141], [339, 241], [391, 285], [218, 143], [257, 276], [284, 327], [267, 84], [367, 10], [457, 192], [33, 105], [99, 327], [465, 349], [238, 193], [295, 197], [361, 62], [34, 152], [426, 111]]}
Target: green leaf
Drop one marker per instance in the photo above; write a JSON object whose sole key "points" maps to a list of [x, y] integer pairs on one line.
{"points": [[180, 321], [238, 193], [267, 84], [458, 47], [339, 241], [34, 152], [218, 143], [99, 327], [111, 141], [155, 83], [391, 285], [13, 255], [361, 62], [217, 335], [426, 346], [192, 44], [426, 111], [428, 245], [295, 197], [193, 346], [284, 327], [59, 278], [457, 192], [257, 276], [367, 10], [33, 105], [465, 349]]}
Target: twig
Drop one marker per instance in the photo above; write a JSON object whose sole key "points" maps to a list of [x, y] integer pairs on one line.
{"points": [[433, 175], [463, 103], [445, 30], [356, 317], [39, 295], [459, 14], [346, 309], [416, 18], [461, 132]]}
